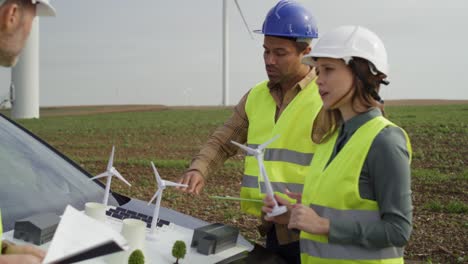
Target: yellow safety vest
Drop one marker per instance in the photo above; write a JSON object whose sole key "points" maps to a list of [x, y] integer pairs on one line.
{"points": [[287, 158], [333, 192]]}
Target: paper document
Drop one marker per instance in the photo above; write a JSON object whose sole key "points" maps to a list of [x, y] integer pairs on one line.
{"points": [[79, 237]]}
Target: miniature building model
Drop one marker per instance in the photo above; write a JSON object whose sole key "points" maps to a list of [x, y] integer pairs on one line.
{"points": [[37, 229], [214, 238]]}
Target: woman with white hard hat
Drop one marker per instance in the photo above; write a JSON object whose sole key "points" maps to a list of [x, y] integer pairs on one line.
{"points": [[356, 203]]}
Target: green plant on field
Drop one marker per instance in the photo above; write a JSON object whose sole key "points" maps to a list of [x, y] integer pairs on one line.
{"points": [[434, 206], [428, 261], [435, 176], [230, 214], [170, 138], [452, 207]]}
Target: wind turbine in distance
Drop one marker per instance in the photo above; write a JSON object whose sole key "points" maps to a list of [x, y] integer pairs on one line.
{"points": [[258, 154], [187, 94], [109, 173], [225, 76], [162, 184]]}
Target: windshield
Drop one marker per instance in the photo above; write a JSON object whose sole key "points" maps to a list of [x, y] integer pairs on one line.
{"points": [[35, 179]]}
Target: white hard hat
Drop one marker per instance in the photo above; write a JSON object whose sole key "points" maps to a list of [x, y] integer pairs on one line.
{"points": [[346, 42], [43, 8]]}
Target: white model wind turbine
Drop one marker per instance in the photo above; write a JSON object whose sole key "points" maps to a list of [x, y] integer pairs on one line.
{"points": [[162, 184], [109, 173], [258, 154], [225, 76]]}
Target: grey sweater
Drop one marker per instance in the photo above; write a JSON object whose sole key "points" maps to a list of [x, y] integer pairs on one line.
{"points": [[385, 178]]}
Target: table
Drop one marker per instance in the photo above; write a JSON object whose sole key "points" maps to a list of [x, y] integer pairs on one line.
{"points": [[158, 247]]}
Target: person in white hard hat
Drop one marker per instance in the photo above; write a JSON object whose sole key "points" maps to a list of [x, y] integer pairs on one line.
{"points": [[16, 17], [356, 202]]}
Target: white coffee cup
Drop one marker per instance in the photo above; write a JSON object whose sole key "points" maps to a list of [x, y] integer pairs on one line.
{"points": [[133, 230], [96, 211]]}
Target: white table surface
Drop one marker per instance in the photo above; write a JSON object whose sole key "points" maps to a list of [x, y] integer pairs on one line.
{"points": [[158, 247]]}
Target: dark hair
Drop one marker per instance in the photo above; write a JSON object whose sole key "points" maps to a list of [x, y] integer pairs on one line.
{"points": [[300, 46], [366, 93]]}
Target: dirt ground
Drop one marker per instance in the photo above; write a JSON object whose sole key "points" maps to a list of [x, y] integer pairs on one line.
{"points": [[437, 237], [86, 110]]}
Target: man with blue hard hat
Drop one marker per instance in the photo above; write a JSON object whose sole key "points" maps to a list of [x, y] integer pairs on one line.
{"points": [[16, 18], [286, 104]]}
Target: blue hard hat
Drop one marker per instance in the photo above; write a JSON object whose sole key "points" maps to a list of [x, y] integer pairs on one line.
{"points": [[289, 19]]}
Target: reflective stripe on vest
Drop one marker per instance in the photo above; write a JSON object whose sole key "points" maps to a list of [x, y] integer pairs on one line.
{"points": [[285, 155], [287, 159], [252, 182], [346, 204], [347, 252]]}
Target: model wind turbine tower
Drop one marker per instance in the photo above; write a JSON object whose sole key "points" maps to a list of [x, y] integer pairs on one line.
{"points": [[109, 173], [162, 184], [225, 76], [258, 154]]}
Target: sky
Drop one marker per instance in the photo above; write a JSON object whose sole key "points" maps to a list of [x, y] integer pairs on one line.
{"points": [[110, 52]]}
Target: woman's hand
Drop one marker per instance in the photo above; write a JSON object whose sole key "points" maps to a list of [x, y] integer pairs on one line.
{"points": [[269, 204], [306, 219]]}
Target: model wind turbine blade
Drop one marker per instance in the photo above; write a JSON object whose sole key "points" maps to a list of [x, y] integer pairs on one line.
{"points": [[157, 176], [102, 175], [264, 145], [244, 147], [111, 159], [154, 196], [119, 176], [169, 183], [243, 19]]}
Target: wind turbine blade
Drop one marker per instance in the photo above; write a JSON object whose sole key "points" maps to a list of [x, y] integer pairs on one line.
{"points": [[104, 174], [156, 174], [243, 18], [120, 177], [262, 146], [154, 196], [111, 159], [169, 183], [244, 147]]}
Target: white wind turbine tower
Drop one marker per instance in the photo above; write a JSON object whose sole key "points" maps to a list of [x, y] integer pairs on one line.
{"points": [[225, 77], [109, 173], [162, 184], [25, 78], [258, 154], [187, 94]]}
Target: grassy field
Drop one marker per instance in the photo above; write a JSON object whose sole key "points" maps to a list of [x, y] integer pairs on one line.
{"points": [[170, 137]]}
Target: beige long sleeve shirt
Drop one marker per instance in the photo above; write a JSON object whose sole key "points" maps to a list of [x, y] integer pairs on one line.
{"points": [[218, 148]]}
